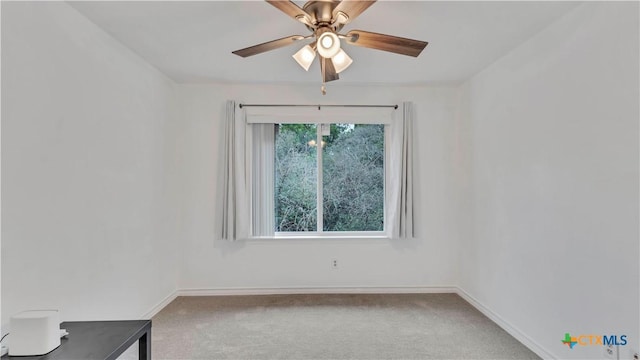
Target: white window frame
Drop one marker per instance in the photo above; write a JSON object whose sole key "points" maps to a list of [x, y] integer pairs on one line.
{"points": [[319, 116]]}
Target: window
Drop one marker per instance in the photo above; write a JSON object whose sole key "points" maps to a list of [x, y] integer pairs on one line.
{"points": [[344, 163], [336, 170]]}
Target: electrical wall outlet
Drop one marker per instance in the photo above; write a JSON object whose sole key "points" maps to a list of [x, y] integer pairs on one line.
{"points": [[334, 264], [610, 352]]}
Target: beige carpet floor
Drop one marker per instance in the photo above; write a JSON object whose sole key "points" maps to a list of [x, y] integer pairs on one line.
{"points": [[398, 326]]}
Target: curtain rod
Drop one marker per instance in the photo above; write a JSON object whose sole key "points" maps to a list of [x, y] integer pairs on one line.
{"points": [[318, 105]]}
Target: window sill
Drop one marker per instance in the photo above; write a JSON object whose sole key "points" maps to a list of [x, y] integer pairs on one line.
{"points": [[321, 237]]}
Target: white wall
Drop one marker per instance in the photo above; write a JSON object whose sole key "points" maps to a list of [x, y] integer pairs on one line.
{"points": [[87, 170], [208, 264], [527, 181], [553, 138]]}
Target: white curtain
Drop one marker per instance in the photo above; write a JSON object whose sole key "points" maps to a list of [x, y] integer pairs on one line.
{"points": [[248, 177], [235, 185], [400, 176], [263, 178]]}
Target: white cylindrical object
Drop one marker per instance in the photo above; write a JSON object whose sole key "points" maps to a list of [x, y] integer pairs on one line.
{"points": [[34, 332]]}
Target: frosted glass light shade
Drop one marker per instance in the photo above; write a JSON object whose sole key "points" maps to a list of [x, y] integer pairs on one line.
{"points": [[341, 61], [328, 44], [305, 57]]}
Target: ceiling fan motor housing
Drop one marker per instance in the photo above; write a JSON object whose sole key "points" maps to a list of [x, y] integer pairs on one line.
{"points": [[321, 13]]}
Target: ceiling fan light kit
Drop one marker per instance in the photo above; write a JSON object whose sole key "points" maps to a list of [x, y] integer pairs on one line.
{"points": [[324, 18], [305, 57], [341, 61], [328, 44]]}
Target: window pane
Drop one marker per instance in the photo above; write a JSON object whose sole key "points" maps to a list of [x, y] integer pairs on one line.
{"points": [[353, 178], [296, 178]]}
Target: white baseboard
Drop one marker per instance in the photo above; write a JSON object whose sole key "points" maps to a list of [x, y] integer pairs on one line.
{"points": [[317, 290], [159, 306], [506, 326]]}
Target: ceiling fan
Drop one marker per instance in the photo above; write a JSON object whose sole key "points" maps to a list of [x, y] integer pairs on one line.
{"points": [[324, 18]]}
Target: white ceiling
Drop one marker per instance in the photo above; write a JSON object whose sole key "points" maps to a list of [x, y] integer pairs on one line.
{"points": [[191, 42]]}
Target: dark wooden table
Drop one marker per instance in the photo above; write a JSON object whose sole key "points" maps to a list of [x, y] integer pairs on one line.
{"points": [[103, 340]]}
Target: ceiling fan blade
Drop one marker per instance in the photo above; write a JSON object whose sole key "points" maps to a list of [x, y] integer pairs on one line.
{"points": [[395, 44], [291, 9], [328, 70], [352, 8], [269, 45]]}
